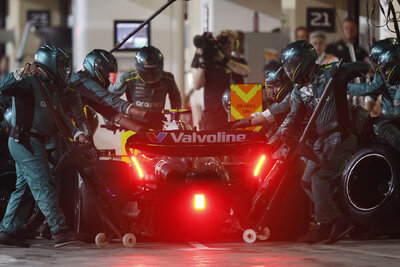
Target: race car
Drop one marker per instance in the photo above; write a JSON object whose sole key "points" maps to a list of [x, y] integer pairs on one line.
{"points": [[180, 183]]}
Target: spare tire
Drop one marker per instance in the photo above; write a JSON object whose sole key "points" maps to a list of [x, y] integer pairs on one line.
{"points": [[371, 188], [115, 179]]}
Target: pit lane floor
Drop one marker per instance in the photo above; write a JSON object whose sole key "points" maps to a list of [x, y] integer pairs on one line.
{"points": [[344, 253]]}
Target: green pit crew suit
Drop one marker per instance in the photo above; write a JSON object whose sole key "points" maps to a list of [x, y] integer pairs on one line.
{"points": [[385, 128], [335, 142], [149, 96], [32, 123], [73, 107], [109, 105]]}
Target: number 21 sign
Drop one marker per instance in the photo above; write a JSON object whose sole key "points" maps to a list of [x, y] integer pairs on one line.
{"points": [[321, 19]]}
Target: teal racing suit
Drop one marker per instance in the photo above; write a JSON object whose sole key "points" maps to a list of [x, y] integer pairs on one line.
{"points": [[149, 96], [109, 105], [335, 142], [32, 123], [386, 126]]}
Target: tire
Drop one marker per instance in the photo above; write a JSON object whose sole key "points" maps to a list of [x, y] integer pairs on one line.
{"points": [[370, 188], [115, 177], [86, 216]]}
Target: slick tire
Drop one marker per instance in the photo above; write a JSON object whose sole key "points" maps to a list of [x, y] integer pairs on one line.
{"points": [[370, 188]]}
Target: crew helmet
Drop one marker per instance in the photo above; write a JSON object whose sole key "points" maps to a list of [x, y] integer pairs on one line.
{"points": [[101, 66], [55, 61], [277, 83], [298, 58], [149, 64], [389, 64]]}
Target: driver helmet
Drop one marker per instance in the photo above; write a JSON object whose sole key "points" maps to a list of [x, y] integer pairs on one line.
{"points": [[298, 58], [102, 66], [55, 61], [389, 64], [149, 64], [378, 47], [277, 83]]}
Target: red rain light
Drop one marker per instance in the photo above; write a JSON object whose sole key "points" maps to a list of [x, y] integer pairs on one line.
{"points": [[137, 166], [199, 202], [113, 77], [259, 165]]}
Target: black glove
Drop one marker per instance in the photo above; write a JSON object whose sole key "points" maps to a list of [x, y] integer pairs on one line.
{"points": [[242, 123], [335, 72], [274, 143], [285, 135], [151, 116]]}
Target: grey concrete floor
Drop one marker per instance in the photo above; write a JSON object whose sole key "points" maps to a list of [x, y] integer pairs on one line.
{"points": [[344, 253]]}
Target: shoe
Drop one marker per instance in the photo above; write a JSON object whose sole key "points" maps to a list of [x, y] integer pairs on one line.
{"points": [[13, 240], [320, 233], [340, 228], [65, 237], [45, 232]]}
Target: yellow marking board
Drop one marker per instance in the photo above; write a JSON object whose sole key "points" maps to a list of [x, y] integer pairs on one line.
{"points": [[246, 99]]}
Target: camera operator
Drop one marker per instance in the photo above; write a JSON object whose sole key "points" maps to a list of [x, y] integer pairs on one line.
{"points": [[216, 69]]}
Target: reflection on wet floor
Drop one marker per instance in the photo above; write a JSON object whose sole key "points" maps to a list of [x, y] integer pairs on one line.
{"points": [[344, 253]]}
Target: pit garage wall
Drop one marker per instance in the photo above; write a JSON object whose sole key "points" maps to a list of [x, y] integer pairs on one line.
{"points": [[16, 20], [93, 28]]}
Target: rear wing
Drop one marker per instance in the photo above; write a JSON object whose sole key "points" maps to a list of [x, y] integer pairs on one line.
{"points": [[197, 143]]}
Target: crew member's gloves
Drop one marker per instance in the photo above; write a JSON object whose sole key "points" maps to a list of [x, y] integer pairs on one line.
{"points": [[82, 139], [145, 116], [274, 143], [285, 135], [335, 72], [151, 116], [28, 69], [242, 123]]}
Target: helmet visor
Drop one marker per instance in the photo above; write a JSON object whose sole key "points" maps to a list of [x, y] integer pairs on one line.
{"points": [[272, 90], [387, 67], [151, 75], [292, 67]]}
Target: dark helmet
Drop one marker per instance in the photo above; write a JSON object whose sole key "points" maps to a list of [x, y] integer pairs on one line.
{"points": [[298, 58], [226, 100], [101, 66], [149, 64], [389, 64], [379, 47], [55, 61], [277, 83]]}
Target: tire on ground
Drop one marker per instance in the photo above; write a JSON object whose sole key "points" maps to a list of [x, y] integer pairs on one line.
{"points": [[114, 179], [370, 188]]}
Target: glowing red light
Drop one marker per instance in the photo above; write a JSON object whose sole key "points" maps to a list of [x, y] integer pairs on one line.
{"points": [[199, 202], [113, 77], [259, 165], [137, 166]]}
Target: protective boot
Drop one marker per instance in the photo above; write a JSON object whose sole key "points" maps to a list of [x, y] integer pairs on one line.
{"points": [[65, 237], [320, 233], [340, 228], [12, 240]]}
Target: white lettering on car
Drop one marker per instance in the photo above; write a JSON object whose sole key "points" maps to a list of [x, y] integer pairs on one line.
{"points": [[220, 137]]}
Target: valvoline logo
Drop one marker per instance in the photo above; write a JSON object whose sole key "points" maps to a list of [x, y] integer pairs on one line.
{"points": [[198, 138], [157, 138]]}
